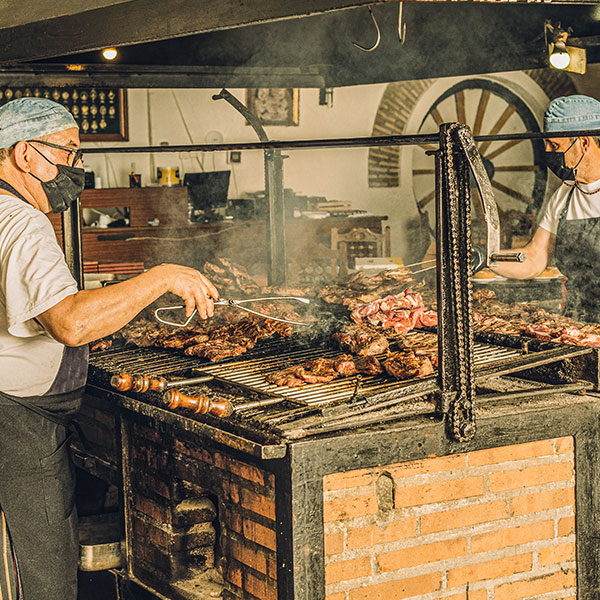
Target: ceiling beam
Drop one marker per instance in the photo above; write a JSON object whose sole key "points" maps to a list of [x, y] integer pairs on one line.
{"points": [[142, 76], [13, 15], [147, 20]]}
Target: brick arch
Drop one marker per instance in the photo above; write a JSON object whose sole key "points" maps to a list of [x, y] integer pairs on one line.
{"points": [[398, 102]]}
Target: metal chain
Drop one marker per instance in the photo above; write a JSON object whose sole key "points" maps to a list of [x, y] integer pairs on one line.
{"points": [[462, 416]]}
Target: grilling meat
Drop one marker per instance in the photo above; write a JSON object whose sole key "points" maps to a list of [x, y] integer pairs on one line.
{"points": [[319, 370], [144, 333], [344, 365], [406, 364], [216, 350], [229, 276], [188, 336], [368, 365], [401, 312], [359, 288], [285, 378], [362, 340], [100, 345], [528, 319], [323, 370]]}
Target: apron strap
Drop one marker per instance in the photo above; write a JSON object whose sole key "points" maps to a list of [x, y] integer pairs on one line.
{"points": [[563, 212], [11, 190]]}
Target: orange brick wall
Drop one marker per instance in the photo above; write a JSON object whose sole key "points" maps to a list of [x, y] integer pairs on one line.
{"points": [[493, 524], [164, 469]]}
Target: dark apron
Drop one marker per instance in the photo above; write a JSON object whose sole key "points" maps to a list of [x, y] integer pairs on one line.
{"points": [[577, 253], [37, 483]]}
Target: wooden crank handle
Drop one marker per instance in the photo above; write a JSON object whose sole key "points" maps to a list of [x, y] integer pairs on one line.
{"points": [[199, 404], [122, 382], [138, 383]]}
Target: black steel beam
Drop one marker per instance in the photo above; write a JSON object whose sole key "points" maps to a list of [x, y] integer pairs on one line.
{"points": [[146, 21], [143, 76], [357, 142]]}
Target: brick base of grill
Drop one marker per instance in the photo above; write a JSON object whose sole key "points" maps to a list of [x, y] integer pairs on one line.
{"points": [[192, 506], [345, 516]]}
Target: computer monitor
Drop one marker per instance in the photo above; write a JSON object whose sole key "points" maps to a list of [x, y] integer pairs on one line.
{"points": [[206, 192]]}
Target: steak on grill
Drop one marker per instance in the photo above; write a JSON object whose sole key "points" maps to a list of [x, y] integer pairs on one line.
{"points": [[406, 364], [361, 339], [216, 350], [323, 370], [285, 378], [319, 370]]}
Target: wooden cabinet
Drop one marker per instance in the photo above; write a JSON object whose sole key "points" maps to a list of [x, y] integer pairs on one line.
{"points": [[175, 239]]}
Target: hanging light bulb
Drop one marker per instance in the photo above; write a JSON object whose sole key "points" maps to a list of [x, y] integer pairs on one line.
{"points": [[559, 57], [571, 57], [110, 53]]}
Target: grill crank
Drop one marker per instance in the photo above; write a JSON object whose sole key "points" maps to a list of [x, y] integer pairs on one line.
{"points": [[142, 383], [220, 407], [236, 304]]}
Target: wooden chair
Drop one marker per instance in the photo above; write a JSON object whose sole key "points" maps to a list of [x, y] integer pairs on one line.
{"points": [[313, 263], [359, 242]]}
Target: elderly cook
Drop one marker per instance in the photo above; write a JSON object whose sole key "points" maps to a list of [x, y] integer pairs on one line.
{"points": [[569, 225], [45, 326]]}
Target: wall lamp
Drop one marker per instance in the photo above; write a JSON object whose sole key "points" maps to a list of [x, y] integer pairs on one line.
{"points": [[560, 55]]}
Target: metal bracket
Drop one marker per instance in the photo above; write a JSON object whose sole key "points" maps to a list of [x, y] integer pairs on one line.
{"points": [[490, 208]]}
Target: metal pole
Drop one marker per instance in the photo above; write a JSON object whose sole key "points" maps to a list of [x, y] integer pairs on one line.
{"points": [[276, 260], [357, 142], [71, 229], [276, 256]]}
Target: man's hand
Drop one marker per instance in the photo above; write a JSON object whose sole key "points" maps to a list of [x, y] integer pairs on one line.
{"points": [[192, 287], [89, 315]]}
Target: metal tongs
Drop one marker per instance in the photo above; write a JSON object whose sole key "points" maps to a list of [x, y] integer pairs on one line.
{"points": [[236, 304]]}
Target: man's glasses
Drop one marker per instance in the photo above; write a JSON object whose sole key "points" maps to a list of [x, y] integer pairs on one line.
{"points": [[77, 153]]}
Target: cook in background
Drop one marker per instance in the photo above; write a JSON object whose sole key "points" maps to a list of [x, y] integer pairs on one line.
{"points": [[569, 224]]}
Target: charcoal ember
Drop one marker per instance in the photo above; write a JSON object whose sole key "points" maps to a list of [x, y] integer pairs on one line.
{"points": [[100, 345], [319, 370]]}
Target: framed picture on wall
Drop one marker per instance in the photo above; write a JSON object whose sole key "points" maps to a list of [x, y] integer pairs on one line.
{"points": [[101, 113], [274, 106]]}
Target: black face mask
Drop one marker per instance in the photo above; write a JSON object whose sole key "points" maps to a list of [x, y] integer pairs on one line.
{"points": [[555, 161], [65, 188]]}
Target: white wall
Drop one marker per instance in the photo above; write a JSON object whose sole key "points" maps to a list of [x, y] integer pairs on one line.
{"points": [[191, 116]]}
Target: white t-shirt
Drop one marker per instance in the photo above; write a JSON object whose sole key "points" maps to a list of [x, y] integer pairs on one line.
{"points": [[582, 206], [33, 277]]}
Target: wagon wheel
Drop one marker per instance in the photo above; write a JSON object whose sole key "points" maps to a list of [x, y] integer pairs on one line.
{"points": [[516, 169]]}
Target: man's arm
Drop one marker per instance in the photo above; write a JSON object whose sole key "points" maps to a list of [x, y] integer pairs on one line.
{"points": [[92, 314], [538, 252]]}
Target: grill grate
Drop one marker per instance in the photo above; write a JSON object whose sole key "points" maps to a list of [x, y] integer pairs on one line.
{"points": [[249, 370]]}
